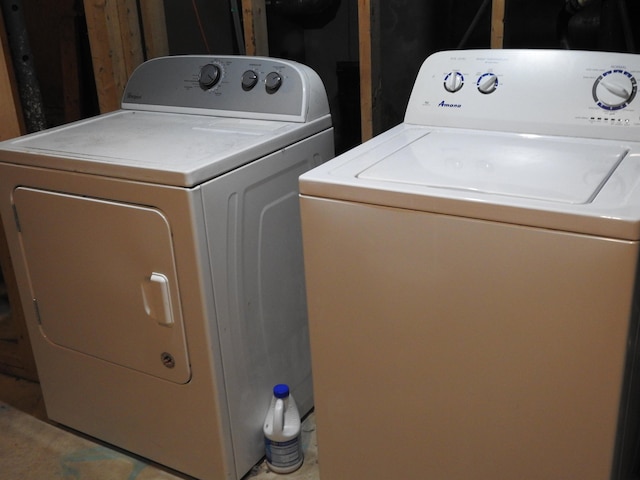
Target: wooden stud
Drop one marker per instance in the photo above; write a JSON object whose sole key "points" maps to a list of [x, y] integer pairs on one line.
{"points": [[154, 27], [497, 24], [256, 39], [370, 83], [71, 89], [115, 39], [11, 120]]}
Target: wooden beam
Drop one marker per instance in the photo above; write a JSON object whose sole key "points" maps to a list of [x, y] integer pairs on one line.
{"points": [[256, 39], [11, 120], [497, 23], [154, 26], [369, 54], [116, 47]]}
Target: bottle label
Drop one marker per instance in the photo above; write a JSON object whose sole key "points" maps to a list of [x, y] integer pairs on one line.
{"points": [[283, 454]]}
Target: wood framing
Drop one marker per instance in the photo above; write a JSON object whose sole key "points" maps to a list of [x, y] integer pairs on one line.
{"points": [[154, 26], [256, 39], [369, 54], [116, 47], [11, 120], [497, 23]]}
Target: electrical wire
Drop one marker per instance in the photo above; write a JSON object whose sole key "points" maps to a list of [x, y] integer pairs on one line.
{"points": [[204, 37], [474, 23]]}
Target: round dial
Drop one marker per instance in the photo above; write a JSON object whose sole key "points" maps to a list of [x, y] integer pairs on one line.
{"points": [[614, 89], [487, 83], [453, 81], [249, 80], [210, 75], [273, 82]]}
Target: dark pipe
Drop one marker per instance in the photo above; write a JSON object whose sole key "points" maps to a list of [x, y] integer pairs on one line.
{"points": [[28, 86]]}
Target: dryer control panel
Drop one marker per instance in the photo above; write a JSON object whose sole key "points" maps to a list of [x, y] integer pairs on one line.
{"points": [[228, 86], [563, 92]]}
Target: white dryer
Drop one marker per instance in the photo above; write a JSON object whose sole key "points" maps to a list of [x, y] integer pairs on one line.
{"points": [[472, 276], [158, 256]]}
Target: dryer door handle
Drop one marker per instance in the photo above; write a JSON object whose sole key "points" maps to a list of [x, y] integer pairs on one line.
{"points": [[156, 297]]}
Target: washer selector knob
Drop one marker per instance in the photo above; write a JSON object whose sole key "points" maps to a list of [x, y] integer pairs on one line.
{"points": [[453, 81], [210, 75], [614, 89], [487, 83], [273, 82], [249, 80]]}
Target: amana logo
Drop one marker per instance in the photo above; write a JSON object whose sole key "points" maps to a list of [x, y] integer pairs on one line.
{"points": [[449, 105]]}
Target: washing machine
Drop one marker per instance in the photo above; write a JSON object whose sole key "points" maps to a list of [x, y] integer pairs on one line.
{"points": [[157, 251], [472, 276]]}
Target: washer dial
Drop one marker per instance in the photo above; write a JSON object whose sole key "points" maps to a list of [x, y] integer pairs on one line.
{"points": [[614, 89], [453, 81], [487, 83], [210, 75]]}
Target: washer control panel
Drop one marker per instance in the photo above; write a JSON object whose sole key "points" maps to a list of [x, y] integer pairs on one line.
{"points": [[235, 86], [562, 92]]}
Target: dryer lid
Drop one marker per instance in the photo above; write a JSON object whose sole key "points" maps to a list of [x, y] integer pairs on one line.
{"points": [[157, 147], [527, 166]]}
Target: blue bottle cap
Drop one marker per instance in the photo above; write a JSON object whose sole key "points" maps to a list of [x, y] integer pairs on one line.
{"points": [[281, 390]]}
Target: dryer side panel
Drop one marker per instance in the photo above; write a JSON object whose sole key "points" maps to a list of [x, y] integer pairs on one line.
{"points": [[253, 229]]}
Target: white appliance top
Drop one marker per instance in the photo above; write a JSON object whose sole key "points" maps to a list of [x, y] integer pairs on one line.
{"points": [[565, 156], [186, 119]]}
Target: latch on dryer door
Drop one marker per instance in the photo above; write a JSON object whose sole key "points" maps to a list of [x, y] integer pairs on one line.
{"points": [[156, 297]]}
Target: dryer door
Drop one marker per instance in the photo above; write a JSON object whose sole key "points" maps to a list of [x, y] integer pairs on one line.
{"points": [[103, 280]]}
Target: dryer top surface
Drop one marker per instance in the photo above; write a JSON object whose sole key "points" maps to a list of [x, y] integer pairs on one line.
{"points": [[158, 147]]}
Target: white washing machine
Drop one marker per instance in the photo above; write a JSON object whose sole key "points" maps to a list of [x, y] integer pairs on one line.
{"points": [[472, 276], [158, 256]]}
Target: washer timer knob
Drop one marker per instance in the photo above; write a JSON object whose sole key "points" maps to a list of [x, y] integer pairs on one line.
{"points": [[210, 75], [453, 81], [614, 89]]}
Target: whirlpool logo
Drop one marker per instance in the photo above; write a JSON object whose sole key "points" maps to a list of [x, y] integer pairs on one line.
{"points": [[449, 105]]}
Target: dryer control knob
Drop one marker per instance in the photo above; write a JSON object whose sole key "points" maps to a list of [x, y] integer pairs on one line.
{"points": [[210, 75], [614, 89], [273, 82], [453, 81], [249, 80]]}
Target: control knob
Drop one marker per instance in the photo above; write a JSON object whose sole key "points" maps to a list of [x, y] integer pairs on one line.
{"points": [[487, 83], [453, 81], [273, 82], [249, 80], [614, 89], [210, 75]]}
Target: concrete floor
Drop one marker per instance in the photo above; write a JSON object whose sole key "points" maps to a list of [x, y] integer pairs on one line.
{"points": [[32, 448]]}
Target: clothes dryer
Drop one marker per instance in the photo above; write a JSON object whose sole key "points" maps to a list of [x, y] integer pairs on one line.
{"points": [[472, 276], [158, 257]]}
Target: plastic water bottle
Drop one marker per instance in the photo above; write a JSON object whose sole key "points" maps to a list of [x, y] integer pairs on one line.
{"points": [[281, 429]]}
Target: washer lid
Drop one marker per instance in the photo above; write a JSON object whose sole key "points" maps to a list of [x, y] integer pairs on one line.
{"points": [[527, 166], [569, 184]]}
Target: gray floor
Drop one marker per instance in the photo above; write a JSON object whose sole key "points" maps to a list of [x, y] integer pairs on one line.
{"points": [[32, 448]]}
